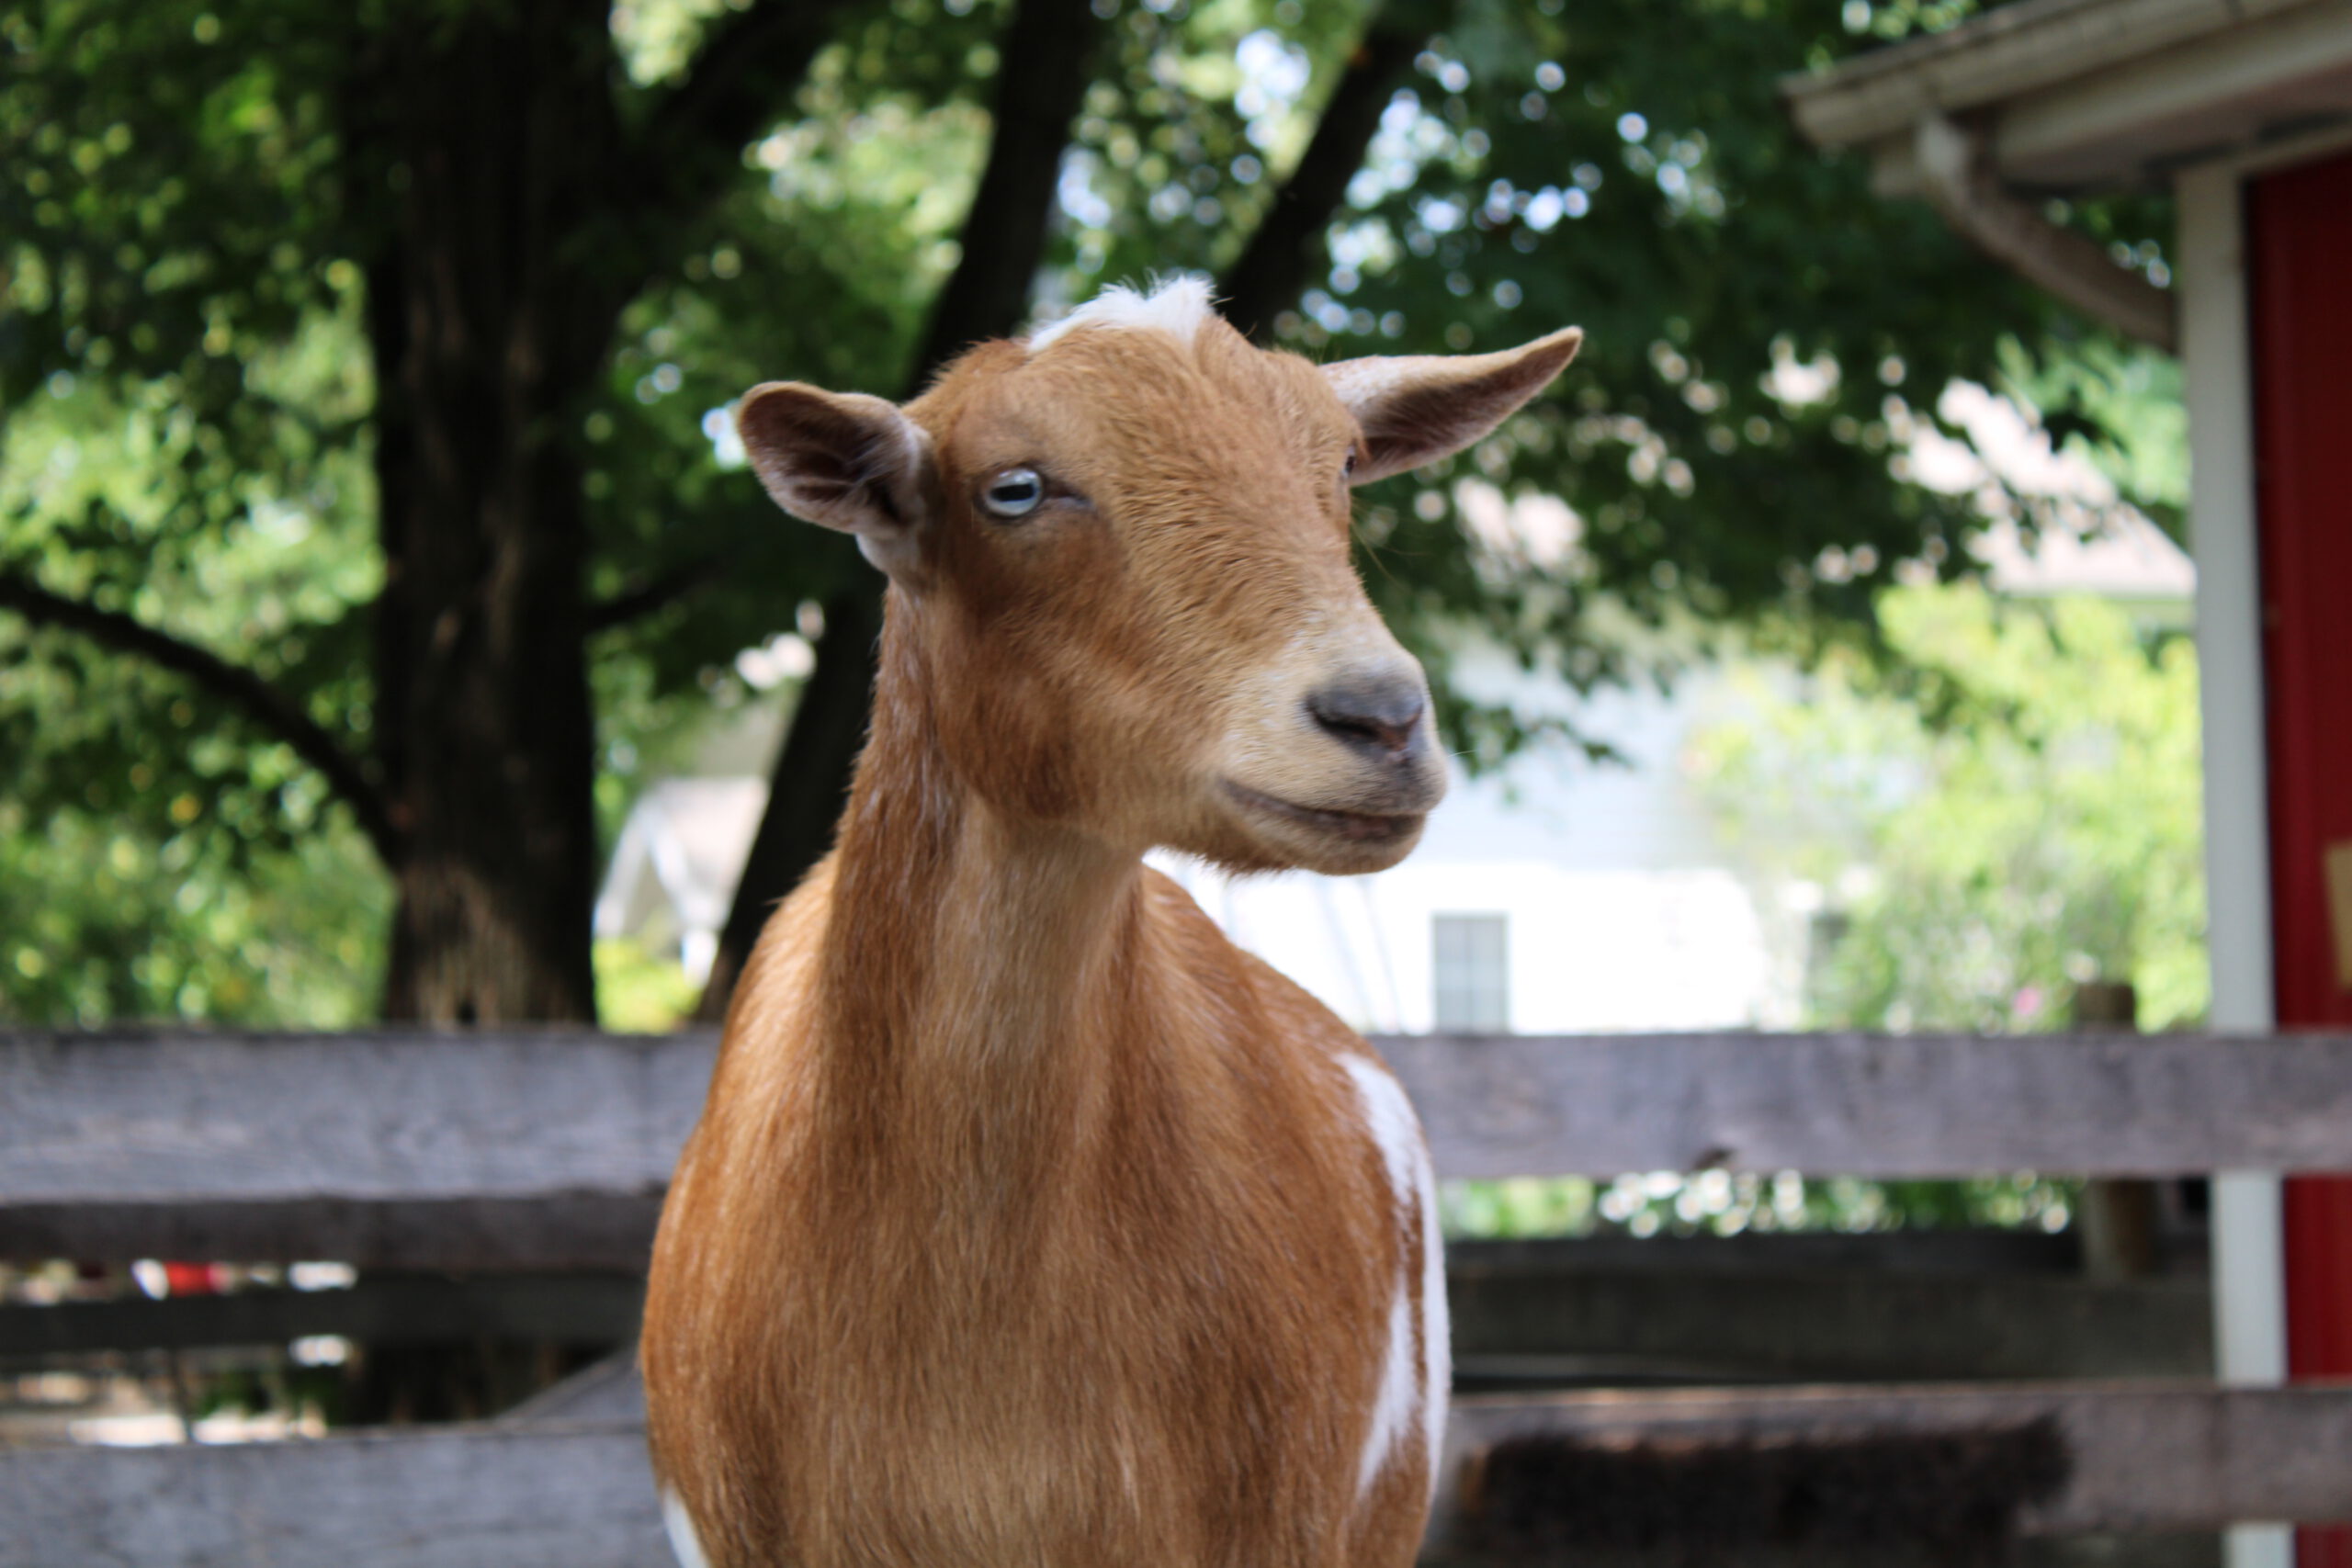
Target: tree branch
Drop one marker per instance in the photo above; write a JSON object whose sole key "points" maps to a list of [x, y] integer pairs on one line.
{"points": [[1046, 49], [655, 592], [692, 141], [1287, 248], [236, 685]]}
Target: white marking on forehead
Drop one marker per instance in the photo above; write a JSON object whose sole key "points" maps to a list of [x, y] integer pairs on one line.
{"points": [[1176, 306], [1404, 1387], [679, 1529]]}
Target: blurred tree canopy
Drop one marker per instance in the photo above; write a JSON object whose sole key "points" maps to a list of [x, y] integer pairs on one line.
{"points": [[365, 522], [2035, 823]]}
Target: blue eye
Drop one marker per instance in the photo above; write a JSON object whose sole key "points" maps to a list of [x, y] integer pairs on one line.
{"points": [[1014, 493]]}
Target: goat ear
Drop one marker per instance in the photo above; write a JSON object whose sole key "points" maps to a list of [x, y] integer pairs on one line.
{"points": [[1415, 409], [840, 458]]}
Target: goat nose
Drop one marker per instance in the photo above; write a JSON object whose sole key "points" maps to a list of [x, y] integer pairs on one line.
{"points": [[1379, 714]]}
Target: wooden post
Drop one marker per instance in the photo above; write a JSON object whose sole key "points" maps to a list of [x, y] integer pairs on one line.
{"points": [[2117, 1217]]}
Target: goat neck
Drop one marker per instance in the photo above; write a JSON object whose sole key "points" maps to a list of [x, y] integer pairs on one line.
{"points": [[975, 967]]}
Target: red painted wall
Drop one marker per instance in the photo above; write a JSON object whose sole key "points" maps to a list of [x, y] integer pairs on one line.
{"points": [[2298, 255]]}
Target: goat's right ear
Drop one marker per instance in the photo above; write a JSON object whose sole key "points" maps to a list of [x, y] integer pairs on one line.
{"points": [[1416, 408], [843, 459]]}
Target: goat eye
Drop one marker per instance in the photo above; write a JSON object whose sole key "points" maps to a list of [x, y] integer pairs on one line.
{"points": [[1014, 493], [1348, 468]]}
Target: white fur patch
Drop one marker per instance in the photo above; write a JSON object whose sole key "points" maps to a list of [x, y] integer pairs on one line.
{"points": [[1392, 1413], [1437, 1315], [1390, 1117], [1404, 1388], [683, 1544], [1176, 305]]}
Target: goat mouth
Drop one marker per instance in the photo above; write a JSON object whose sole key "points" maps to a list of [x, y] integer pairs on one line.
{"points": [[1356, 827]]}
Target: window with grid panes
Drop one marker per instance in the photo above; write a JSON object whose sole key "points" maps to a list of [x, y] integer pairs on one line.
{"points": [[1472, 973]]}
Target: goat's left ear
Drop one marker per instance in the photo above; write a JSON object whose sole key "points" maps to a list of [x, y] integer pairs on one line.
{"points": [[843, 459], [1418, 408]]}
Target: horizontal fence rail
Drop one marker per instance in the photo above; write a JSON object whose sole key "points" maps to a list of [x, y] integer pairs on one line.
{"points": [[1558, 1313], [552, 1149], [382, 1309], [578, 1494], [575, 1489], [539, 1149], [2092, 1104], [2142, 1457]]}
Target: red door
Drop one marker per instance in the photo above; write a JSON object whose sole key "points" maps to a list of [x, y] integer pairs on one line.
{"points": [[2299, 245]]}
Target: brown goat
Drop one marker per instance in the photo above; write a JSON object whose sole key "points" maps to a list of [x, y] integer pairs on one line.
{"points": [[1029, 1221]]}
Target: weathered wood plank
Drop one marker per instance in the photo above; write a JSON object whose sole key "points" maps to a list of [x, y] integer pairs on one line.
{"points": [[550, 1149], [2149, 1457], [2099, 1104], [543, 1495], [420, 1309], [2145, 1458], [1980, 1249], [580, 1229], [544, 1149], [1823, 1325], [1561, 1312], [419, 1116], [609, 1390]]}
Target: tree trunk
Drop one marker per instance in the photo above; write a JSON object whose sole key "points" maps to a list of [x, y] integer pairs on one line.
{"points": [[2119, 1217], [1287, 247], [492, 128]]}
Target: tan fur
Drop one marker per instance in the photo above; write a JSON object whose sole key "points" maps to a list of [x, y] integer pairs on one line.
{"points": [[1030, 1222]]}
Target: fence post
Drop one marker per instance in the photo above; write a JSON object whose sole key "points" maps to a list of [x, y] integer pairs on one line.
{"points": [[2118, 1216]]}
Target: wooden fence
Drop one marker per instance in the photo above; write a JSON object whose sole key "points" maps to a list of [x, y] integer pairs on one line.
{"points": [[537, 1151]]}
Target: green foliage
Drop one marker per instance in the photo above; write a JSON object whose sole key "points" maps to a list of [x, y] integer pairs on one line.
{"points": [[2121, 409], [1718, 1203], [161, 855], [100, 922], [640, 993], [2042, 830], [183, 396]]}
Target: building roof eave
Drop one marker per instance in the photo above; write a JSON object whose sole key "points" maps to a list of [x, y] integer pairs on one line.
{"points": [[2080, 94], [2004, 52], [1957, 179]]}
